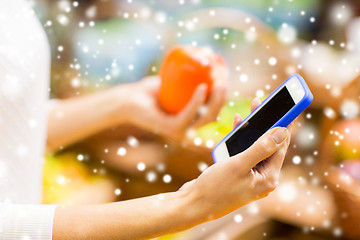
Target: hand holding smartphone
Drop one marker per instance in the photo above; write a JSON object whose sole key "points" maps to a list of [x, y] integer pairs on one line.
{"points": [[279, 109]]}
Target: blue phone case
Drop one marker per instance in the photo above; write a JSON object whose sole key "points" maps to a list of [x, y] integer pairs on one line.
{"points": [[290, 115]]}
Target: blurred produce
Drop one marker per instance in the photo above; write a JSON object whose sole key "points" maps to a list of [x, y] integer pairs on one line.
{"points": [[212, 133], [344, 140], [68, 181]]}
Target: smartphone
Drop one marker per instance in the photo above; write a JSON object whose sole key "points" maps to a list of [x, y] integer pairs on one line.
{"points": [[279, 109]]}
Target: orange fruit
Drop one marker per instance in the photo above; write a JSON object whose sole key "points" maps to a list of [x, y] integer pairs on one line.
{"points": [[183, 69], [344, 140]]}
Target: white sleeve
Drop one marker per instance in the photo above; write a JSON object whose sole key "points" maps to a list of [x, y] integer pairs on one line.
{"points": [[51, 104], [24, 221]]}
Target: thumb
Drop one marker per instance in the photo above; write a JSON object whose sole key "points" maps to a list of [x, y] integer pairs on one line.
{"points": [[189, 113], [264, 147]]}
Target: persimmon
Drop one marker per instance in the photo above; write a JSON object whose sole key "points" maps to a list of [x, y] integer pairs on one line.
{"points": [[183, 69]]}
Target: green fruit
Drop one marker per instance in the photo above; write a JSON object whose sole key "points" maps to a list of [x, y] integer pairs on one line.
{"points": [[219, 129]]}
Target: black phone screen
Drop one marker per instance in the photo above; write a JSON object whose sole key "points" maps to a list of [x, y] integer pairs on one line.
{"points": [[260, 122]]}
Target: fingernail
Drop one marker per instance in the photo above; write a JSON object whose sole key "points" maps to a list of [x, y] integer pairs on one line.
{"points": [[204, 90], [280, 135], [203, 87]]}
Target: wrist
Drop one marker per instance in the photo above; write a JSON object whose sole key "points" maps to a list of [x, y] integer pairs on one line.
{"points": [[120, 98], [194, 209]]}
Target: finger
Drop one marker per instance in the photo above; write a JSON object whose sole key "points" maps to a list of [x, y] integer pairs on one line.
{"points": [[290, 127], [255, 103], [215, 103], [190, 111], [187, 185], [153, 81], [264, 147], [237, 120], [268, 171], [276, 161]]}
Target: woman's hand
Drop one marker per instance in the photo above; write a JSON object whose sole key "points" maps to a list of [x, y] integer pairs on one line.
{"points": [[146, 113], [74, 119], [241, 179], [222, 188]]}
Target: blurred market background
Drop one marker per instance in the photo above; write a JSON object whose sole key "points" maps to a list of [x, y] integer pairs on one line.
{"points": [[99, 44]]}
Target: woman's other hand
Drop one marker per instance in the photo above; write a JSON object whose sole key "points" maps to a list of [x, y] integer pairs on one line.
{"points": [[147, 113]]}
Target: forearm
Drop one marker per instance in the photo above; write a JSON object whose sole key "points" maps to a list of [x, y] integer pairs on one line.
{"points": [[74, 119], [134, 219]]}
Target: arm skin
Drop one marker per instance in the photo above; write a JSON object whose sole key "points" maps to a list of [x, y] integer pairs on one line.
{"points": [[133, 219], [221, 189], [74, 119]]}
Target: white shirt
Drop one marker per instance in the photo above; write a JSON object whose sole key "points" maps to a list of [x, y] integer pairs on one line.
{"points": [[24, 82]]}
